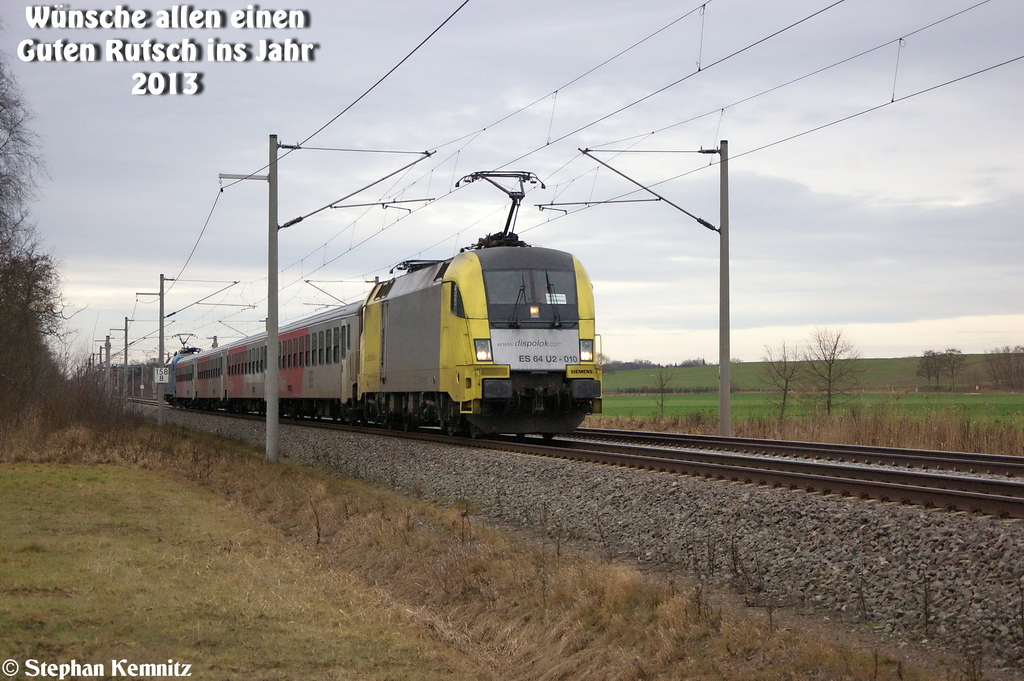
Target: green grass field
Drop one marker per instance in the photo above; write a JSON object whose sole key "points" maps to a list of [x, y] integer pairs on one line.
{"points": [[752, 405], [883, 383], [878, 375]]}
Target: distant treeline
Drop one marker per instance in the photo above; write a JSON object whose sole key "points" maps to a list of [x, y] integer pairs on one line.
{"points": [[1006, 367], [616, 365]]}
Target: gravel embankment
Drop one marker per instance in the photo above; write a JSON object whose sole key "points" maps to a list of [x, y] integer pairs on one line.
{"points": [[926, 574]]}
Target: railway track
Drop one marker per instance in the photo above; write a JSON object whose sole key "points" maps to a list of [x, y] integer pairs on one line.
{"points": [[979, 483], [988, 464]]}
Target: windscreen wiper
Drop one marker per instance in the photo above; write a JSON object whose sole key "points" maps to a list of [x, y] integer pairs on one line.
{"points": [[521, 296], [553, 302]]}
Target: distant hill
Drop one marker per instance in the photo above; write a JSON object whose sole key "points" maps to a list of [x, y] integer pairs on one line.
{"points": [[879, 375]]}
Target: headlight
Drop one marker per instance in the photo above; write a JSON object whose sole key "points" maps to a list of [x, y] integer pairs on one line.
{"points": [[483, 349], [587, 350]]}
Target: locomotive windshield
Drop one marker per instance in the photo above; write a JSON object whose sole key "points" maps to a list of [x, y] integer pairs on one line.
{"points": [[534, 298]]}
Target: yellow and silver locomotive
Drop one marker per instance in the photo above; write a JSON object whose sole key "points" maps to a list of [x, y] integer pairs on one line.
{"points": [[495, 340]]}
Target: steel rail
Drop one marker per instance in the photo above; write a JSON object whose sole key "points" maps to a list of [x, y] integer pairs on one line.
{"points": [[994, 464]]}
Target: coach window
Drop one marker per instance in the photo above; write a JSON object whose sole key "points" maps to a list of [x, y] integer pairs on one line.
{"points": [[307, 349], [344, 345], [330, 355], [320, 348], [337, 345]]}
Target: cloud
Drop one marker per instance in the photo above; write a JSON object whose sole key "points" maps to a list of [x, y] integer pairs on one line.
{"points": [[905, 219]]}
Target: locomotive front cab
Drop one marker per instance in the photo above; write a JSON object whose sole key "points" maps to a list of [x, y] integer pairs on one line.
{"points": [[525, 359]]}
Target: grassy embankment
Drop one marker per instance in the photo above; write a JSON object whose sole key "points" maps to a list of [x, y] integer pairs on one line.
{"points": [[153, 545], [891, 406]]}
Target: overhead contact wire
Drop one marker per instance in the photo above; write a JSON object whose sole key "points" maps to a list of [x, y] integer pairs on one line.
{"points": [[196, 244], [368, 90], [806, 132], [677, 82]]}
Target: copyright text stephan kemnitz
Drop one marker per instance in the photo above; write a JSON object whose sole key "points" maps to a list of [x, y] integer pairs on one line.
{"points": [[33, 668]]}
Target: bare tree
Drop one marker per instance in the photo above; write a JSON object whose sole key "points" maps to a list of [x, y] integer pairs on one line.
{"points": [[781, 366], [31, 310], [930, 367], [830, 363], [662, 381], [952, 361], [1006, 367]]}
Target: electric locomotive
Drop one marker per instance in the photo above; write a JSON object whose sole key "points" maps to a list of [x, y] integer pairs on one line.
{"points": [[498, 339]]}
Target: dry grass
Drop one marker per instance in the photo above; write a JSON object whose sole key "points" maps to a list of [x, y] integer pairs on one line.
{"points": [[103, 562], [879, 426], [496, 606]]}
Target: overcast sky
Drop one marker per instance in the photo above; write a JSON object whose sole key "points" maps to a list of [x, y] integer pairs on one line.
{"points": [[901, 224]]}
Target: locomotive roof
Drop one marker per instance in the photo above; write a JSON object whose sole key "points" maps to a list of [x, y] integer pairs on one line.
{"points": [[510, 258], [491, 258]]}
